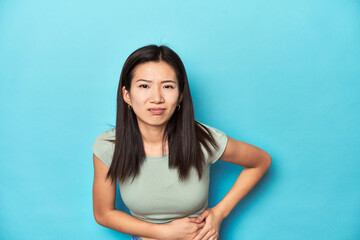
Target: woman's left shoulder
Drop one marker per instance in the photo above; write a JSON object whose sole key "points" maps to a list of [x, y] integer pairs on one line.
{"points": [[220, 139], [214, 131]]}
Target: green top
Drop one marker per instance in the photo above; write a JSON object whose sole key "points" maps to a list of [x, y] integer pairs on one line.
{"points": [[156, 195]]}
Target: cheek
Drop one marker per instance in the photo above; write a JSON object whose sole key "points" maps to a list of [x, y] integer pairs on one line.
{"points": [[137, 98], [172, 98]]}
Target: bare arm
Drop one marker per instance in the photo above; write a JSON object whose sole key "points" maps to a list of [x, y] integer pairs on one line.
{"points": [[104, 207], [255, 162], [106, 215]]}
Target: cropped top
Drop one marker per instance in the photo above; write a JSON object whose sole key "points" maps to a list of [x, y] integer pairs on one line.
{"points": [[156, 195]]}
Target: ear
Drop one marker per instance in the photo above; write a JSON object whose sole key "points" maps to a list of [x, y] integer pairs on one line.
{"points": [[126, 95], [180, 98]]}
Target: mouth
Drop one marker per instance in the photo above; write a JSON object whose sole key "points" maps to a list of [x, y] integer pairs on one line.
{"points": [[157, 111]]}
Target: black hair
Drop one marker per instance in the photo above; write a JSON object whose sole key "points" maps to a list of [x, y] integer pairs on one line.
{"points": [[185, 135]]}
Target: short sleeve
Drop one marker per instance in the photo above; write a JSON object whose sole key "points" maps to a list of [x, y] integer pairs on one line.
{"points": [[221, 140], [103, 149]]}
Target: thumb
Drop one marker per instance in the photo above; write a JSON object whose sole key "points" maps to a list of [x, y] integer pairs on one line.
{"points": [[192, 219], [202, 216]]}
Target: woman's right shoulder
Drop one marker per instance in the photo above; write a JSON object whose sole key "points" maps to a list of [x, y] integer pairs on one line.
{"points": [[107, 134], [103, 148]]}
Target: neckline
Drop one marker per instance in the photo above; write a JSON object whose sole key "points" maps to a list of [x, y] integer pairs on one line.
{"points": [[158, 157]]}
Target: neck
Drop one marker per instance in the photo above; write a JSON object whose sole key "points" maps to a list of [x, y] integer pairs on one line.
{"points": [[152, 135]]}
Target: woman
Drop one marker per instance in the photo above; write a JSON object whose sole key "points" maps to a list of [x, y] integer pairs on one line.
{"points": [[161, 156]]}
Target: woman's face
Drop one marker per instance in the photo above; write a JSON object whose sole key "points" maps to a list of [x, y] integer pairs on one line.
{"points": [[154, 93]]}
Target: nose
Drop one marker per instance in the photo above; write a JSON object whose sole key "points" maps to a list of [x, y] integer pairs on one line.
{"points": [[156, 96]]}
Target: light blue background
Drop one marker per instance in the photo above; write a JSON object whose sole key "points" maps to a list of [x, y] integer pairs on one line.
{"points": [[281, 75]]}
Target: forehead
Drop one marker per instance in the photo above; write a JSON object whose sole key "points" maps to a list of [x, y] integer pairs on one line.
{"points": [[154, 71]]}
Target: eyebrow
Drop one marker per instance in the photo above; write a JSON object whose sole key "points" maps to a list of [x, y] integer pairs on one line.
{"points": [[164, 81]]}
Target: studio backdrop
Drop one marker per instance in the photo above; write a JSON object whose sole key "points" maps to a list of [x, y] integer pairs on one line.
{"points": [[281, 75]]}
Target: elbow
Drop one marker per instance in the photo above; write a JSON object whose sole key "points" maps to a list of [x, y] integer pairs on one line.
{"points": [[99, 218], [268, 161], [102, 217], [265, 161]]}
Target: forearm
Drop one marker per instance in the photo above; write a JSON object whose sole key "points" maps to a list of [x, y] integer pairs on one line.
{"points": [[125, 223], [246, 180]]}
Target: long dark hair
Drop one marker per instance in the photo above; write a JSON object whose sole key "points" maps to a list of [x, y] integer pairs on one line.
{"points": [[185, 135]]}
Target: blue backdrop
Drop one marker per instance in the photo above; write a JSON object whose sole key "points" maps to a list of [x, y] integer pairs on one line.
{"points": [[283, 76]]}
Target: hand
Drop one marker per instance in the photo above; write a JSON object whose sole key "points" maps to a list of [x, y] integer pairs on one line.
{"points": [[182, 229], [212, 220]]}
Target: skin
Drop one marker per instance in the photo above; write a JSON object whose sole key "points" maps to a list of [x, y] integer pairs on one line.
{"points": [[154, 85]]}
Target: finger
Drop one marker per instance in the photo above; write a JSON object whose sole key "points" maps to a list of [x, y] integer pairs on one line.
{"points": [[200, 225], [214, 237], [207, 236], [201, 234], [202, 216], [192, 219]]}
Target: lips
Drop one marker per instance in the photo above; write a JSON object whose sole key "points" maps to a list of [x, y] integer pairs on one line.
{"points": [[157, 110]]}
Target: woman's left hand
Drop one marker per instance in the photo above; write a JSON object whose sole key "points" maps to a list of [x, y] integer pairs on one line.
{"points": [[213, 220]]}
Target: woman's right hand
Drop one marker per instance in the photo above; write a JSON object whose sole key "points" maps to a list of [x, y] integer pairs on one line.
{"points": [[182, 229]]}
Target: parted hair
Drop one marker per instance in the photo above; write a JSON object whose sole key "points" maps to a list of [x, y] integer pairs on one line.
{"points": [[185, 135]]}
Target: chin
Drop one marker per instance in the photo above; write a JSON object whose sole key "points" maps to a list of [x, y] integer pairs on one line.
{"points": [[154, 123]]}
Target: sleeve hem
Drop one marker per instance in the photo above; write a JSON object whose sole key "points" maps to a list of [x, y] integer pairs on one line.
{"points": [[102, 148], [221, 150], [100, 157]]}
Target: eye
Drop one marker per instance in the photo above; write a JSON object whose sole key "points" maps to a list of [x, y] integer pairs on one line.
{"points": [[144, 86], [169, 86]]}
